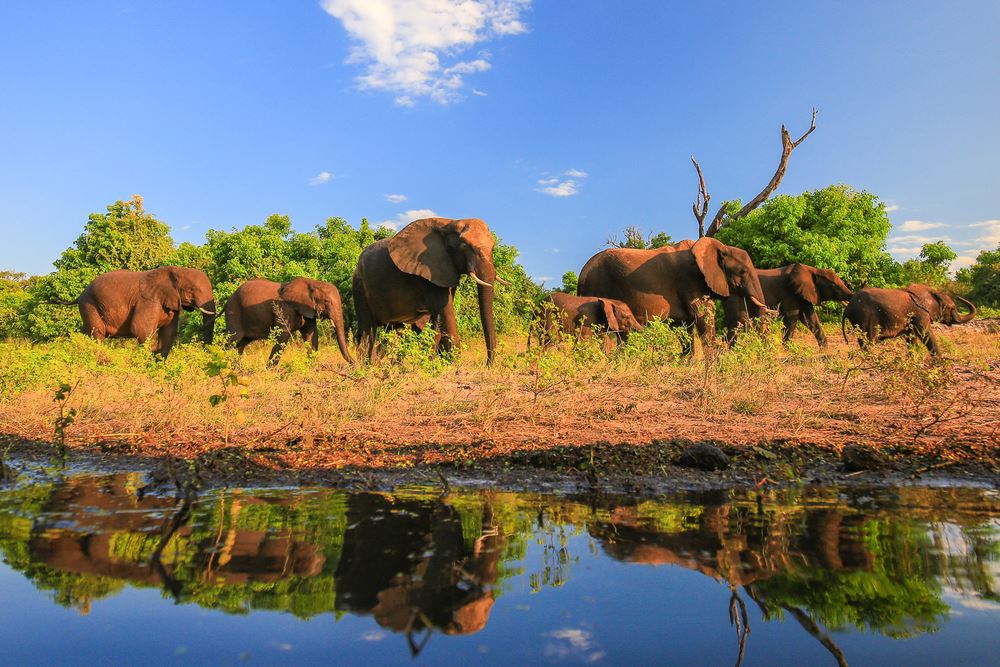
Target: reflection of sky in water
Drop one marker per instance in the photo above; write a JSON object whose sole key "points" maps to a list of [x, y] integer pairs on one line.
{"points": [[292, 577]]}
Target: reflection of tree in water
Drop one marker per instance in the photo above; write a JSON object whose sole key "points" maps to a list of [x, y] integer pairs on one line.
{"points": [[824, 563], [420, 564]]}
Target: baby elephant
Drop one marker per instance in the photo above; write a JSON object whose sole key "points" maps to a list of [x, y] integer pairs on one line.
{"points": [[887, 313], [258, 305], [576, 315]]}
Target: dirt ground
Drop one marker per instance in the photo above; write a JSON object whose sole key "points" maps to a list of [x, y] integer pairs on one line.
{"points": [[783, 417]]}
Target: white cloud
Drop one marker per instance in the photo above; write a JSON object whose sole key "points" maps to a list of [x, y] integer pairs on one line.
{"points": [[919, 225], [962, 261], [406, 217], [918, 239], [890, 207], [395, 199], [992, 235], [904, 250], [321, 178], [478, 92], [560, 187], [403, 42], [541, 279], [566, 188]]}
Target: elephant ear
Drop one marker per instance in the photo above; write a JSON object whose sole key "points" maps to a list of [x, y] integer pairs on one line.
{"points": [[159, 289], [420, 249], [609, 315], [804, 284], [706, 252], [298, 294]]}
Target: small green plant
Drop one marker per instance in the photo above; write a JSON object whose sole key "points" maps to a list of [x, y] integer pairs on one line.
{"points": [[220, 365], [65, 418], [411, 350]]}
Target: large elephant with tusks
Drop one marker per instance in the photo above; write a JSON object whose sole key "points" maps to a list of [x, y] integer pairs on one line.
{"points": [[411, 277]]}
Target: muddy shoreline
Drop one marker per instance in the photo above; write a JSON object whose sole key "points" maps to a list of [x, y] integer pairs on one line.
{"points": [[598, 469]]}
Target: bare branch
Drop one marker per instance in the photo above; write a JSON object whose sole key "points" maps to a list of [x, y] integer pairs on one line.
{"points": [[787, 146], [700, 207]]}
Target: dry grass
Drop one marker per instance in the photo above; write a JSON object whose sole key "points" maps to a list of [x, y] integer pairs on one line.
{"points": [[317, 412]]}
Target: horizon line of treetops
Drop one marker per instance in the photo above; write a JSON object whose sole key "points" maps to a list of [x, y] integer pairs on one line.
{"points": [[836, 228]]}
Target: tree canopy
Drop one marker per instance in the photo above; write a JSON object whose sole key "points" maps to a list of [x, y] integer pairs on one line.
{"points": [[836, 228], [983, 278]]}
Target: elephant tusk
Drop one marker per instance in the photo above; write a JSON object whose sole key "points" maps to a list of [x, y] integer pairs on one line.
{"points": [[207, 312], [757, 303], [502, 281], [478, 280]]}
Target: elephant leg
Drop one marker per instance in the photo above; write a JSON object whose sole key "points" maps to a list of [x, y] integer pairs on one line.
{"points": [[93, 325], [310, 334], [921, 328], [449, 327], [687, 343], [279, 345], [242, 343], [706, 332], [366, 324], [790, 320], [165, 337], [810, 318]]}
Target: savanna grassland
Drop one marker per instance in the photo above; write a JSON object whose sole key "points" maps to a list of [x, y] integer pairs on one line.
{"points": [[570, 408]]}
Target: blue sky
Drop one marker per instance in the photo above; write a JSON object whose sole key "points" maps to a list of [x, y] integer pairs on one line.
{"points": [[557, 122]]}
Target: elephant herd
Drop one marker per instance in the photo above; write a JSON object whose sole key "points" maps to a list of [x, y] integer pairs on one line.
{"points": [[410, 279]]}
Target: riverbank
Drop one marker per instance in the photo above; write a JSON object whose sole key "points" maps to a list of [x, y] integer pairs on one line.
{"points": [[786, 415]]}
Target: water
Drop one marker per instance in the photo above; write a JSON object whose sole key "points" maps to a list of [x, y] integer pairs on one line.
{"points": [[94, 571]]}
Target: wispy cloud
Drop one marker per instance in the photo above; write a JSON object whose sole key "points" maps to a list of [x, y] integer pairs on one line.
{"points": [[560, 186], [321, 178], [992, 235], [478, 92], [919, 225], [406, 217], [890, 207], [412, 48], [395, 199]]}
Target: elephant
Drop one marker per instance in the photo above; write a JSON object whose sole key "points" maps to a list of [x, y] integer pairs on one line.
{"points": [[881, 314], [671, 283], [136, 304], [258, 305], [410, 278], [578, 315], [793, 290]]}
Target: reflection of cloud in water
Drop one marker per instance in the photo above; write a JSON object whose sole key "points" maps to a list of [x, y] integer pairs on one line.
{"points": [[572, 643]]}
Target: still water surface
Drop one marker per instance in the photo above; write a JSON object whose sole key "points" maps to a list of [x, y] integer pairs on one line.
{"points": [[95, 571]]}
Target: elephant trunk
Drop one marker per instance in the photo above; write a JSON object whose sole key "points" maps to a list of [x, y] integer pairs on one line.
{"points": [[338, 324], [755, 293], [208, 321], [484, 270], [962, 319]]}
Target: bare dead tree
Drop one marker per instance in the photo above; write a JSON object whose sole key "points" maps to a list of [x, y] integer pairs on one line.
{"points": [[700, 206], [721, 219]]}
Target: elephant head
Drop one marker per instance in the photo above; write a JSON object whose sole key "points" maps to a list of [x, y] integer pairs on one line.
{"points": [[620, 319], [440, 250], [940, 306], [728, 270], [181, 288], [313, 299], [818, 285]]}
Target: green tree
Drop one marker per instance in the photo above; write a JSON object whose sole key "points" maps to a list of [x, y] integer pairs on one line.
{"points": [[836, 228], [983, 278], [569, 282], [931, 268], [14, 298], [634, 238]]}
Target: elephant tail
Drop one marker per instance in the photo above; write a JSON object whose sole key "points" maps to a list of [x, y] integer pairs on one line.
{"points": [[843, 327]]}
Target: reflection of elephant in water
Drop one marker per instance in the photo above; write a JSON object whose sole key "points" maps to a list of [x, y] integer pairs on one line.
{"points": [[258, 305], [134, 304], [671, 283], [793, 290], [880, 314], [408, 563], [578, 315], [411, 277]]}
